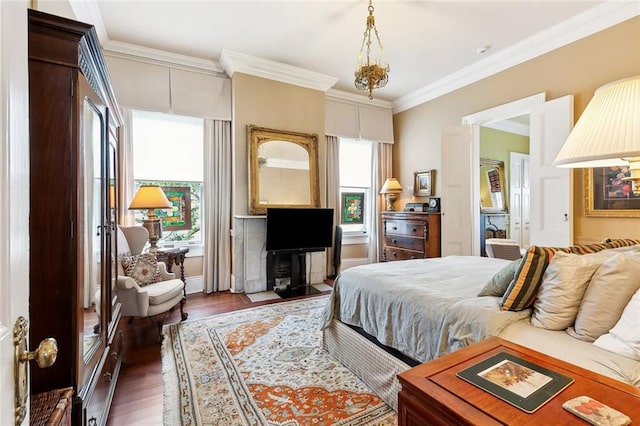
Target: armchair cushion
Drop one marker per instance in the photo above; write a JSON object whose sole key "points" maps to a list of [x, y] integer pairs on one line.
{"points": [[143, 268]]}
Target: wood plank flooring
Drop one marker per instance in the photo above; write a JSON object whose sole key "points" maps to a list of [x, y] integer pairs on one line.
{"points": [[138, 397]]}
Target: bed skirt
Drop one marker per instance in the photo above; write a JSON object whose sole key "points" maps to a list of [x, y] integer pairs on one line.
{"points": [[373, 365]]}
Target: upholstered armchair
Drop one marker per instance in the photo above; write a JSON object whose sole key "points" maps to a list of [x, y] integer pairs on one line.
{"points": [[503, 248], [144, 287]]}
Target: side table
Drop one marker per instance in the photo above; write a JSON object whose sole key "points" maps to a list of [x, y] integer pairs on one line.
{"points": [[433, 394], [174, 256]]}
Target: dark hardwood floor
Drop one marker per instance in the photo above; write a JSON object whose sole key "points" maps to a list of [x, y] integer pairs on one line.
{"points": [[138, 399]]}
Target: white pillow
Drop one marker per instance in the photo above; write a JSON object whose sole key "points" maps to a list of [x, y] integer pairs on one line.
{"points": [[610, 289], [563, 285], [624, 337]]}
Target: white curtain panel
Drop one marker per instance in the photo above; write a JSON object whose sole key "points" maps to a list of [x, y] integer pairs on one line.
{"points": [[126, 184], [333, 189], [381, 170], [216, 209]]}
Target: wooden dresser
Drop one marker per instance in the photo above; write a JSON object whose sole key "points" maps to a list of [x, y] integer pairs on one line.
{"points": [[410, 235], [432, 394]]}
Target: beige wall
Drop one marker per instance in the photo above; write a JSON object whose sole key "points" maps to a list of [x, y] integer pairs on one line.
{"points": [[578, 69], [268, 103]]}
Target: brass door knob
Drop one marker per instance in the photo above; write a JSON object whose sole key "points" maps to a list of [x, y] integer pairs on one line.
{"points": [[45, 355]]}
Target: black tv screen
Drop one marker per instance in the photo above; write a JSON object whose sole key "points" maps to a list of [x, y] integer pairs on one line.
{"points": [[299, 229]]}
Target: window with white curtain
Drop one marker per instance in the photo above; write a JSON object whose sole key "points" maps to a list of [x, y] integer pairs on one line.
{"points": [[168, 151], [355, 180]]}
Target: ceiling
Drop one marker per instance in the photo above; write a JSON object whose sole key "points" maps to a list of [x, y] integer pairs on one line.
{"points": [[432, 46]]}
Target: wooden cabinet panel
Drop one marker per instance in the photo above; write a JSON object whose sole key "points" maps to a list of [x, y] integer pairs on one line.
{"points": [[410, 235], [73, 126]]}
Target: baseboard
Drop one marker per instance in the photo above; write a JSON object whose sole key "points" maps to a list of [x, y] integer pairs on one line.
{"points": [[350, 263], [195, 284]]}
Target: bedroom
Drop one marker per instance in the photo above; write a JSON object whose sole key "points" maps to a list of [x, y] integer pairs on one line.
{"points": [[423, 123]]}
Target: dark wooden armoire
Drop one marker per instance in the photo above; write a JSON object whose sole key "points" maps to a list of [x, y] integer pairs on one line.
{"points": [[74, 123]]}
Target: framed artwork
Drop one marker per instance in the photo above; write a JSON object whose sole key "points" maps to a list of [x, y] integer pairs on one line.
{"points": [[423, 183], [352, 211], [178, 216], [607, 194]]}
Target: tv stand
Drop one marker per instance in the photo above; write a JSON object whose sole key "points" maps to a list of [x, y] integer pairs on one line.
{"points": [[287, 274]]}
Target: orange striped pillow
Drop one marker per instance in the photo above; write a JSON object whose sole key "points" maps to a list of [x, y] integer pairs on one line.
{"points": [[523, 289]]}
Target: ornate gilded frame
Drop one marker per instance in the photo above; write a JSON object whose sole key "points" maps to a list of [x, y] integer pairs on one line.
{"points": [[256, 136], [594, 204]]}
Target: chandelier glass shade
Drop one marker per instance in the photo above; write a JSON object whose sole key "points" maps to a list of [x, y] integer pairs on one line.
{"points": [[372, 72]]}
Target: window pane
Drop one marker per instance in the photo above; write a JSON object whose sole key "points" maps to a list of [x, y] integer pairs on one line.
{"points": [[167, 151], [355, 163], [167, 147]]}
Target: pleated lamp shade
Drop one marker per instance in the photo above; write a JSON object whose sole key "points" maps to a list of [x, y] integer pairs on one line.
{"points": [[608, 131]]}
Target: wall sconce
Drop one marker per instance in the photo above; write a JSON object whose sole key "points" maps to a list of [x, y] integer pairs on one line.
{"points": [[390, 190], [151, 197]]}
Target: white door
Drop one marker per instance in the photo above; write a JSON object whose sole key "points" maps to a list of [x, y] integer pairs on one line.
{"points": [[551, 195], [14, 190], [456, 203], [519, 198]]}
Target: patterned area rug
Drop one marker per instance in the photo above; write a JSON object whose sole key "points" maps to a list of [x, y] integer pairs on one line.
{"points": [[262, 366]]}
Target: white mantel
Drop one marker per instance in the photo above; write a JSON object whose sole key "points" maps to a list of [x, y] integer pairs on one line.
{"points": [[250, 257]]}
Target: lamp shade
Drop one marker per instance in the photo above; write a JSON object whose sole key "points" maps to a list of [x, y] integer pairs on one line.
{"points": [[608, 131], [391, 185], [150, 197]]}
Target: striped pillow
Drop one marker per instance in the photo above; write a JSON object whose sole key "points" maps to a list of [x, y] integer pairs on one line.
{"points": [[523, 289]]}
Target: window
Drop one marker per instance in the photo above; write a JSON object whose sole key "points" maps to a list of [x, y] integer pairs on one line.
{"points": [[355, 185], [167, 151]]}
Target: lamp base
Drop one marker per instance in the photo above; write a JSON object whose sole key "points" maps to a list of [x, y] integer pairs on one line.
{"points": [[154, 226], [391, 199]]}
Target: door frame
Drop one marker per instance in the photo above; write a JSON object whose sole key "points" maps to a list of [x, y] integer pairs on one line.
{"points": [[14, 196], [498, 113]]}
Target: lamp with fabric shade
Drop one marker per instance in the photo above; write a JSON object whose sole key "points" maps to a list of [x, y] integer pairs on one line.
{"points": [[151, 197], [608, 131], [390, 190]]}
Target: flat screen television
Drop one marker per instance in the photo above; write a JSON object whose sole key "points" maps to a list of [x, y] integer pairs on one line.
{"points": [[299, 229]]}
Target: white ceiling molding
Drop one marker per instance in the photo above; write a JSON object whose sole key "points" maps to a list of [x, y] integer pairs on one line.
{"points": [[233, 62], [590, 22], [89, 12], [510, 127], [160, 57], [340, 95]]}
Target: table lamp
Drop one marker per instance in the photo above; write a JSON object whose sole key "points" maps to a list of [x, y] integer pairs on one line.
{"points": [[390, 190], [151, 197]]}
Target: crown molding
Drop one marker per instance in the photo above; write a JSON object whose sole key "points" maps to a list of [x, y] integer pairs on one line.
{"points": [[596, 19], [88, 11], [233, 62], [339, 95], [160, 57]]}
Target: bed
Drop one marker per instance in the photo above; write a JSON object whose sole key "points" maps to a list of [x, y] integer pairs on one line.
{"points": [[418, 310], [422, 308]]}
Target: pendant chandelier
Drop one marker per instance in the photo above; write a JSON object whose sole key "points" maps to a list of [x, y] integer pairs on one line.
{"points": [[371, 72]]}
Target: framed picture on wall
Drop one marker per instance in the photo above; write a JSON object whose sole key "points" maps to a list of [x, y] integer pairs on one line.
{"points": [[423, 183], [352, 210], [178, 216], [608, 194]]}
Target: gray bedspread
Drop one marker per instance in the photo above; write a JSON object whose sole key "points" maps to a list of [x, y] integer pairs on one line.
{"points": [[425, 307]]}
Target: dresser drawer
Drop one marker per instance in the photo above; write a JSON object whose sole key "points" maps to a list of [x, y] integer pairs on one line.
{"points": [[406, 227], [404, 242], [394, 253]]}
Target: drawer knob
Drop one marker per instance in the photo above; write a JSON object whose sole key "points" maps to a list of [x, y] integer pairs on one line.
{"points": [[394, 254], [107, 376], [413, 230], [92, 421], [394, 241], [395, 228]]}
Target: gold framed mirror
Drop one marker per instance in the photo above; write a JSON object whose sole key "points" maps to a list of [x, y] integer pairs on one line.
{"points": [[283, 169], [493, 193]]}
